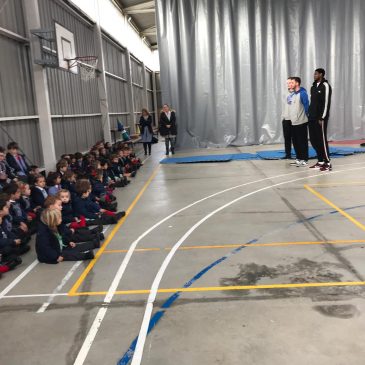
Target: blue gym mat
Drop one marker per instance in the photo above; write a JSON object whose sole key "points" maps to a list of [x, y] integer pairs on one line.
{"points": [[335, 152]]}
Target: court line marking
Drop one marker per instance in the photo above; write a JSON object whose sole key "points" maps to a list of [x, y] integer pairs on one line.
{"points": [[19, 278], [78, 283], [109, 296], [34, 295], [334, 184], [46, 304], [83, 275], [137, 356], [64, 281], [228, 288], [211, 247], [334, 206], [101, 313]]}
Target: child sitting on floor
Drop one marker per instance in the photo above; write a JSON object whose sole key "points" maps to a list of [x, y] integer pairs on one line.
{"points": [[17, 216], [83, 205], [19, 245], [50, 246], [54, 183], [38, 192]]}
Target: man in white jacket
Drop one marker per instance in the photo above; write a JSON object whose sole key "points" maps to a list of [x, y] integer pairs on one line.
{"points": [[287, 125]]}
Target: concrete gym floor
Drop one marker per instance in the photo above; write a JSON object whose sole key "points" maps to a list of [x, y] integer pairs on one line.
{"points": [[278, 274]]}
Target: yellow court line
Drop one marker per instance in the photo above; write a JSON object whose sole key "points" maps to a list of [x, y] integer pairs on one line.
{"points": [[230, 288], [186, 248], [339, 184], [348, 216], [92, 263]]}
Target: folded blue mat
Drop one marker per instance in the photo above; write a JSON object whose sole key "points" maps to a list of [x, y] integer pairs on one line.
{"points": [[335, 152]]}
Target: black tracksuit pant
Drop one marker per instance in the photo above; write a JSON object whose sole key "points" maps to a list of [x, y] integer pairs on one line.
{"points": [[300, 141], [318, 139], [287, 131]]}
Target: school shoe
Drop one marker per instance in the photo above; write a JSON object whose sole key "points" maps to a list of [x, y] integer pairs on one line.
{"points": [[295, 163], [326, 167], [302, 163], [318, 165], [119, 215], [99, 229], [88, 255], [96, 242]]}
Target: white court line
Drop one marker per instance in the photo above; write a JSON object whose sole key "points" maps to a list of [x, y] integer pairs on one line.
{"points": [[138, 353], [67, 277], [85, 348], [19, 278], [33, 295], [45, 305]]}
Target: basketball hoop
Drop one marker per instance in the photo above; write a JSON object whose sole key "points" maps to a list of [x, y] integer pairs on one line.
{"points": [[86, 64]]}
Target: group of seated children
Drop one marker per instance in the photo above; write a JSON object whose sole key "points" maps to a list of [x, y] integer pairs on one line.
{"points": [[62, 208]]}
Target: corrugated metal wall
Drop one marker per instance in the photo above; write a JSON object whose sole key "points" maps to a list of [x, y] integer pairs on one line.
{"points": [[137, 82], [71, 97], [74, 104], [16, 92], [115, 60], [158, 93]]}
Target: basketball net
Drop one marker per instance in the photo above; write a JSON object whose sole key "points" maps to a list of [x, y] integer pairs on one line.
{"points": [[87, 66]]}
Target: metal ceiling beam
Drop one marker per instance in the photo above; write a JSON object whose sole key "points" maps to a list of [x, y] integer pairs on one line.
{"points": [[142, 8], [149, 31]]}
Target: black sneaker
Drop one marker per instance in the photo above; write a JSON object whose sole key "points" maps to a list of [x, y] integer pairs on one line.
{"points": [[326, 167], [120, 215], [318, 165]]}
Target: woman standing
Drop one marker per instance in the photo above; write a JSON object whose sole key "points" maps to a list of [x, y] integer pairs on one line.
{"points": [[168, 128], [145, 126]]}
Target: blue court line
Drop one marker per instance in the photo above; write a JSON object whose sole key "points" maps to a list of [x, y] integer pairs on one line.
{"points": [[127, 357]]}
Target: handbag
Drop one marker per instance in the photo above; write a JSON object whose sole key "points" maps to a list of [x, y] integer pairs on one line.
{"points": [[154, 139]]}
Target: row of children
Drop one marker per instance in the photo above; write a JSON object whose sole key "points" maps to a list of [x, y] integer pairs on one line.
{"points": [[62, 208]]}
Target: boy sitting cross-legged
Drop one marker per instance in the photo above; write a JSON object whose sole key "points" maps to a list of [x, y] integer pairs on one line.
{"points": [[83, 205]]}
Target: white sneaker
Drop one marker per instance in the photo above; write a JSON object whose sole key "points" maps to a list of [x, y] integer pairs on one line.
{"points": [[302, 163], [295, 163]]}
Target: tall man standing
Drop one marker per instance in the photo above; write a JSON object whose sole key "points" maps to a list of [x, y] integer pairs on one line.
{"points": [[318, 115]]}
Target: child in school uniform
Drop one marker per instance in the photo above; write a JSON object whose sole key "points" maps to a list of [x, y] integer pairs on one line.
{"points": [[54, 183], [38, 192], [83, 205], [17, 216], [70, 234], [50, 245], [18, 244], [105, 199]]}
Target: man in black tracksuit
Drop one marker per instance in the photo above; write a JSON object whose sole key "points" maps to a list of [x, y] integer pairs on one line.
{"points": [[318, 115]]}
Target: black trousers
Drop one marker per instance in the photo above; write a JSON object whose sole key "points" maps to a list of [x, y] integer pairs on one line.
{"points": [[318, 139], [287, 131], [145, 145], [300, 141], [82, 251], [170, 141]]}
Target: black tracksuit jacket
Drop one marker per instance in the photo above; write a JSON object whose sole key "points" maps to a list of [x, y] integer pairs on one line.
{"points": [[320, 104]]}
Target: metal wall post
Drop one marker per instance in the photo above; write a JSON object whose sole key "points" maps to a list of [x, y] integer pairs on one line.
{"points": [[33, 21]]}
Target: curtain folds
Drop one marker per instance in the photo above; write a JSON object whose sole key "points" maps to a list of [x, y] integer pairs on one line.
{"points": [[224, 65]]}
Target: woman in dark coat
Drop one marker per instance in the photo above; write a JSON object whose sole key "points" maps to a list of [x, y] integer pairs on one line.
{"points": [[168, 128], [145, 127]]}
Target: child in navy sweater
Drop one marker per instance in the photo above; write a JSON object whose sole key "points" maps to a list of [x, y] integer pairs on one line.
{"points": [[38, 192], [83, 205]]}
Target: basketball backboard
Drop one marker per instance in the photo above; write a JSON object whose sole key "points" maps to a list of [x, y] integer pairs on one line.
{"points": [[65, 47]]}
